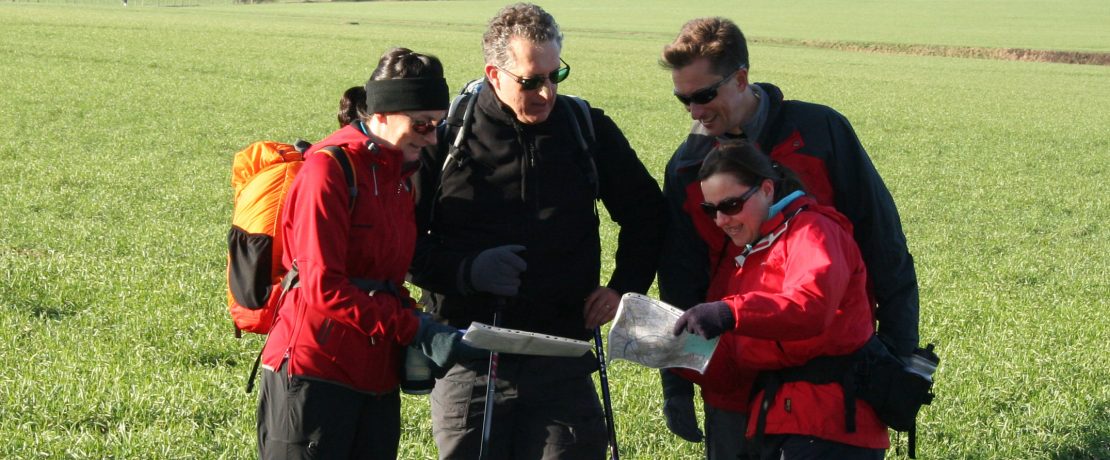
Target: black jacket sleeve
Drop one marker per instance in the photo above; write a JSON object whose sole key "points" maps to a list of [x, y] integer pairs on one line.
{"points": [[683, 270], [632, 197], [863, 197], [434, 265]]}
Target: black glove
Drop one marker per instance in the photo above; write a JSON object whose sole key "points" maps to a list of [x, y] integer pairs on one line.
{"points": [[708, 320], [443, 344], [497, 270], [678, 406]]}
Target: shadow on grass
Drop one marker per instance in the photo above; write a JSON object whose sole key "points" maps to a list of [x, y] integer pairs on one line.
{"points": [[46, 311], [1095, 443], [214, 358]]}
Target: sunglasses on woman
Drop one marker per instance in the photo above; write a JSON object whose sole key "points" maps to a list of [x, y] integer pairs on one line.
{"points": [[728, 206], [423, 127], [534, 82], [704, 95]]}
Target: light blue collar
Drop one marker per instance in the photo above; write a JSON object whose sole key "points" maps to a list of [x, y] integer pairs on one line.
{"points": [[361, 127], [783, 203]]}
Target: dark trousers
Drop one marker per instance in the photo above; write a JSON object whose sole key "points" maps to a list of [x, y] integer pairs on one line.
{"points": [[798, 447], [302, 418], [544, 408], [724, 434]]}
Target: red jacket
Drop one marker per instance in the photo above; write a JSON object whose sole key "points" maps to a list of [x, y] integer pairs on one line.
{"points": [[802, 297], [327, 328]]}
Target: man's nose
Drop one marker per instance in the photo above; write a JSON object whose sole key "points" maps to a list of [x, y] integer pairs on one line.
{"points": [[547, 91]]}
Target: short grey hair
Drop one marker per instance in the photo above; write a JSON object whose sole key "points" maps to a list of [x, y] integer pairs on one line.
{"points": [[523, 20]]}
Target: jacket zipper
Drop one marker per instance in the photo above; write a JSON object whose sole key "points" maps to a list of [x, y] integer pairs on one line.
{"points": [[374, 172]]}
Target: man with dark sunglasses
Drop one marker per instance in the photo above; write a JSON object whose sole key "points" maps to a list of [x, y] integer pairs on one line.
{"points": [[507, 219], [709, 68]]}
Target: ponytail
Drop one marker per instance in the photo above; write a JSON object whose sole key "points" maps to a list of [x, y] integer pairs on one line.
{"points": [[352, 105], [786, 181]]}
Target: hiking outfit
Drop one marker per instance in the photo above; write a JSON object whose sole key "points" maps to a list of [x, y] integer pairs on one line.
{"points": [[800, 294], [820, 146], [531, 185], [333, 358]]}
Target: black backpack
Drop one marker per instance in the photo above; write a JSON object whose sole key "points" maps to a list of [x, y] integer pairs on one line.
{"points": [[896, 390]]}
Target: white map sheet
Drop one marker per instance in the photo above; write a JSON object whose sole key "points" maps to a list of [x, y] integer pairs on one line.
{"points": [[641, 333], [504, 340]]}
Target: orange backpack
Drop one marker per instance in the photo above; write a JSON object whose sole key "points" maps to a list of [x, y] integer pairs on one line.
{"points": [[261, 176]]}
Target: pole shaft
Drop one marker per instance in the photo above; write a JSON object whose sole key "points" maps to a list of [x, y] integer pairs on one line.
{"points": [[491, 379], [605, 397]]}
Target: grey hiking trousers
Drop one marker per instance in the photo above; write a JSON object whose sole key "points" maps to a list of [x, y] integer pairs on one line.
{"points": [[544, 408]]}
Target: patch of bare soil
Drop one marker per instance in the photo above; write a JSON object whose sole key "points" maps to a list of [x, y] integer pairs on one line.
{"points": [[1006, 54]]}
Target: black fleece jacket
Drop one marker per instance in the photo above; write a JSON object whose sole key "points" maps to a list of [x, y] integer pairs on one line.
{"points": [[530, 185]]}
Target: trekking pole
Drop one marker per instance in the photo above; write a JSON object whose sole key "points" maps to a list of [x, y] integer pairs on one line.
{"points": [[608, 402], [491, 379]]}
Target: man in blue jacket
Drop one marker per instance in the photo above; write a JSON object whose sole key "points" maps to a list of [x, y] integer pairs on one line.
{"points": [[709, 68]]}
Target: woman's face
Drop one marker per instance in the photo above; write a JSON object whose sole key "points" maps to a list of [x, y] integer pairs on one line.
{"points": [[725, 194], [408, 131]]}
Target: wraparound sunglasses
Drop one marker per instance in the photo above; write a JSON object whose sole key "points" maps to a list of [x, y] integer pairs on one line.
{"points": [[534, 82], [704, 95], [728, 206]]}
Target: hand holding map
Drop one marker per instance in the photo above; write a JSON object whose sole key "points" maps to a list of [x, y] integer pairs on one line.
{"points": [[642, 333]]}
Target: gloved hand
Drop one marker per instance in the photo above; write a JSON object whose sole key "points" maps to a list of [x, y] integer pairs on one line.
{"points": [[708, 320], [497, 270], [442, 343], [678, 406]]}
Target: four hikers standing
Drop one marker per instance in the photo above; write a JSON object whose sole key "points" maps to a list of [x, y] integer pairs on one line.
{"points": [[773, 229]]}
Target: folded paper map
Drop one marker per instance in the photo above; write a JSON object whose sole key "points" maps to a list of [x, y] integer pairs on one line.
{"points": [[641, 333], [504, 340]]}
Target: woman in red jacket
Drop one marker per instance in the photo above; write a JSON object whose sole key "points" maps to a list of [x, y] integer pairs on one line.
{"points": [[799, 292], [333, 359]]}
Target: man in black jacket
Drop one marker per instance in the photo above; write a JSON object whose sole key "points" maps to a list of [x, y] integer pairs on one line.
{"points": [[709, 68], [510, 220]]}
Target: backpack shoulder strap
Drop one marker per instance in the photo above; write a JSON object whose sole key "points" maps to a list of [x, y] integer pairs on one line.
{"points": [[340, 157], [588, 120], [467, 99], [580, 110]]}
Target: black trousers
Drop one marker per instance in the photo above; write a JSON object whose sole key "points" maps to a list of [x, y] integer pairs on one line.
{"points": [[544, 408], [724, 434], [300, 418]]}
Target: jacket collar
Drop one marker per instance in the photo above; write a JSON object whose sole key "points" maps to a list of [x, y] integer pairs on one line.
{"points": [[787, 212], [773, 228], [770, 105], [386, 163], [756, 130], [492, 106]]}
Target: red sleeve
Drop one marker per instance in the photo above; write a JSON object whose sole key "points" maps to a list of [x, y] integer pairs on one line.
{"points": [[318, 239], [815, 272]]}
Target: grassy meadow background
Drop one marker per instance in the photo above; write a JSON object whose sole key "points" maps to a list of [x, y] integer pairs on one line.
{"points": [[117, 127]]}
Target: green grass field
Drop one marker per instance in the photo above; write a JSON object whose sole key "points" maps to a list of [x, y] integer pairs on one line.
{"points": [[118, 126]]}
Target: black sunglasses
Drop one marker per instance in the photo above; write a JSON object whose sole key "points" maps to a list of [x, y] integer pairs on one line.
{"points": [[423, 127], [528, 84], [728, 206], [704, 95]]}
